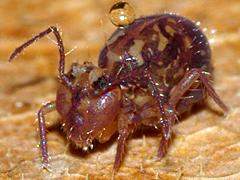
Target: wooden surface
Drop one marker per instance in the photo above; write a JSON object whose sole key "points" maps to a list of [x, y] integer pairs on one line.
{"points": [[206, 144]]}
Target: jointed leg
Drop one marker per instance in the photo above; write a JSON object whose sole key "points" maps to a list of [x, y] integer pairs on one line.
{"points": [[128, 123], [122, 138], [168, 115], [167, 107], [186, 83], [190, 98], [45, 109], [55, 31]]}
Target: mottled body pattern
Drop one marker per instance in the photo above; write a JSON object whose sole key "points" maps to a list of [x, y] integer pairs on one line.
{"points": [[149, 73]]}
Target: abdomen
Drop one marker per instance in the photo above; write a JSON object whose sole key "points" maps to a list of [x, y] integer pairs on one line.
{"points": [[168, 41]]}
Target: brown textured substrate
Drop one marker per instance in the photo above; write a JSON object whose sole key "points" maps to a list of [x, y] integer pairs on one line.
{"points": [[206, 144]]}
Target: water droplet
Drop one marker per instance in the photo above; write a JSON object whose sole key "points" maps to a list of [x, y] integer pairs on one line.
{"points": [[121, 14]]}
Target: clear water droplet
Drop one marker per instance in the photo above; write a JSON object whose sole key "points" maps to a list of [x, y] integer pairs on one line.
{"points": [[121, 14]]}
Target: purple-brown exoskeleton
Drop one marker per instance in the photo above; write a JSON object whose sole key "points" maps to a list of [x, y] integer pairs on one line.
{"points": [[149, 73]]}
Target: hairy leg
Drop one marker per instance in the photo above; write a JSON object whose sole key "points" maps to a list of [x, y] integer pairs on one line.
{"points": [[192, 97], [45, 109], [179, 102], [168, 116], [186, 83], [128, 122]]}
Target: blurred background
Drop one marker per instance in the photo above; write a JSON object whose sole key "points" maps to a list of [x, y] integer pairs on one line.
{"points": [[206, 144]]}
